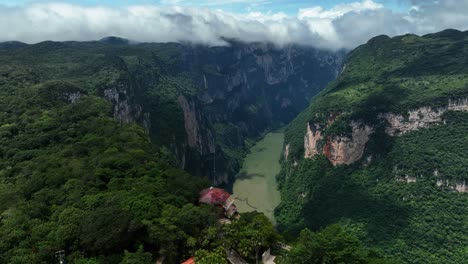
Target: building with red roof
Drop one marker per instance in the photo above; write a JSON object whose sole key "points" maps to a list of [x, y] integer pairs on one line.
{"points": [[189, 261], [214, 196], [219, 197]]}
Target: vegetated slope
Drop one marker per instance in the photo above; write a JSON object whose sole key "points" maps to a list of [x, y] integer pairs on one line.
{"points": [[383, 150], [73, 179], [201, 103], [92, 132]]}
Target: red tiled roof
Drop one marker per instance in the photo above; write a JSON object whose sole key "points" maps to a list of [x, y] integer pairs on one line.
{"points": [[214, 196], [189, 261]]}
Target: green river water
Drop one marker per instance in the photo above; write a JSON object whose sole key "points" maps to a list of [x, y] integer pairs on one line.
{"points": [[255, 187]]}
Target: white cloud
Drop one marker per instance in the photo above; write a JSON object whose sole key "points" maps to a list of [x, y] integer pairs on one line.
{"points": [[343, 26], [339, 10], [213, 2]]}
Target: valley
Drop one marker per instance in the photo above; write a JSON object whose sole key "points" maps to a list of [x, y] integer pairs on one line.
{"points": [[106, 146], [255, 187]]}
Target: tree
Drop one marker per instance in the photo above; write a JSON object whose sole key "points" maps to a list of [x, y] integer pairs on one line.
{"points": [[249, 235], [332, 245], [139, 257], [86, 261], [217, 256]]}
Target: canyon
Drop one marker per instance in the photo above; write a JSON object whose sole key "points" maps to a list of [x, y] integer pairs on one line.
{"points": [[238, 92]]}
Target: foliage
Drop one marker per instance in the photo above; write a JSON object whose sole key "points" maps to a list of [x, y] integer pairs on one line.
{"points": [[78, 174], [72, 178], [331, 245], [139, 257], [399, 199], [250, 234], [390, 75], [217, 256]]}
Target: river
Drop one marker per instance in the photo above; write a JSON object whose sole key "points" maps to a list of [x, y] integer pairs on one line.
{"points": [[255, 187]]}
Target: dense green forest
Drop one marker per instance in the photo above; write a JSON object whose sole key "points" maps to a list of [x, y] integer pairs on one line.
{"points": [[399, 198], [228, 95], [72, 178], [75, 177], [102, 184]]}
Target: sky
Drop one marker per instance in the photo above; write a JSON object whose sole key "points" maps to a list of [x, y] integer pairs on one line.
{"points": [[325, 24], [238, 6]]}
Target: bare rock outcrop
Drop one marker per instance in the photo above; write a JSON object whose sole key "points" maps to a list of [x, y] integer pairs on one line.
{"points": [[286, 151], [459, 186], [311, 139], [123, 110], [338, 149], [407, 179], [420, 118], [345, 150], [201, 141]]}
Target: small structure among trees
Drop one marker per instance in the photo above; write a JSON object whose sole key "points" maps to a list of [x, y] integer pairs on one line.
{"points": [[219, 197], [246, 238]]}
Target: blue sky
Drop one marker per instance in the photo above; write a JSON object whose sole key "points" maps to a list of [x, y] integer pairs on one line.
{"points": [[289, 7]]}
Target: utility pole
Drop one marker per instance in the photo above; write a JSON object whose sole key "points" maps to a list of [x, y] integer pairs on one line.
{"points": [[60, 256]]}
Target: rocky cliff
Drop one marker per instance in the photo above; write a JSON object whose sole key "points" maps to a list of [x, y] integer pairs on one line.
{"points": [[252, 88], [421, 117], [341, 149], [347, 150], [384, 149], [338, 149], [199, 104], [221, 96]]}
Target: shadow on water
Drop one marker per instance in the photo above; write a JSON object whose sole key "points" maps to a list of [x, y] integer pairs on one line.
{"points": [[261, 149], [248, 176]]}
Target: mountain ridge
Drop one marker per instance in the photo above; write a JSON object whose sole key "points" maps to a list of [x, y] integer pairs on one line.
{"points": [[382, 149], [186, 94]]}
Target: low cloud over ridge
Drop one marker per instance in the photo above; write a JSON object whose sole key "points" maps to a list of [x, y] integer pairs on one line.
{"points": [[343, 26]]}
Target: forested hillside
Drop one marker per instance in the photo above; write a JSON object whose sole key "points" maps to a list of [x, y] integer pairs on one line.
{"points": [[73, 178], [383, 150], [202, 104], [94, 137], [76, 180]]}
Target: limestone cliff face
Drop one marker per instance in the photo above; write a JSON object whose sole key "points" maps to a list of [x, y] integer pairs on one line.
{"points": [[421, 117], [255, 86], [251, 87], [123, 92], [121, 107], [458, 186], [202, 142], [424, 117], [338, 149], [248, 87], [461, 187], [286, 151], [311, 140], [199, 154], [345, 150]]}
